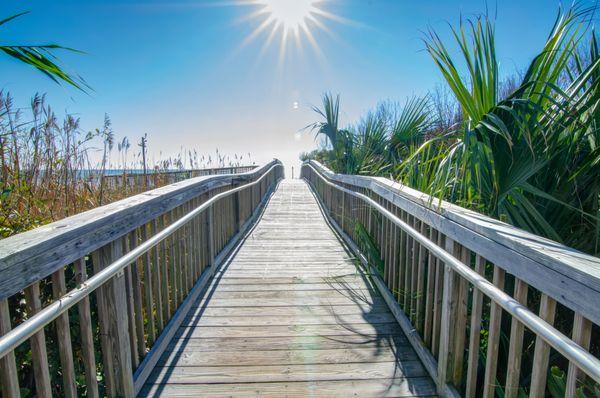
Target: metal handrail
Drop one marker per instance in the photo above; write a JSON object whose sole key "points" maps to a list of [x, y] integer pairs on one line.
{"points": [[563, 344], [24, 331]]}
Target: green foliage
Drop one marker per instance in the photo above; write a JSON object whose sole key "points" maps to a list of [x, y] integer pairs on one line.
{"points": [[369, 247], [378, 141], [524, 150], [42, 58], [532, 158]]}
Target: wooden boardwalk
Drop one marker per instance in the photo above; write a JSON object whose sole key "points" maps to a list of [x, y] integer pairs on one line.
{"points": [[290, 314]]}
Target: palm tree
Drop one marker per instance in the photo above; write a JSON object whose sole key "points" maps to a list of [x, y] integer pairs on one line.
{"points": [[330, 113], [340, 140], [531, 159]]}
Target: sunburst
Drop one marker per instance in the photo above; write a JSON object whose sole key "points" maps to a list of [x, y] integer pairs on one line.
{"points": [[292, 21], [292, 15]]}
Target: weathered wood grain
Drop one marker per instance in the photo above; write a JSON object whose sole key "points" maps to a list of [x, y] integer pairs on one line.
{"points": [[565, 274], [399, 387], [9, 381], [289, 373], [395, 339], [491, 363], [541, 353], [39, 355], [281, 313], [475, 333], [87, 336], [63, 334], [36, 254]]}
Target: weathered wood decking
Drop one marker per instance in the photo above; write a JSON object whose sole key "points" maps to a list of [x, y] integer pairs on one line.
{"points": [[289, 314]]}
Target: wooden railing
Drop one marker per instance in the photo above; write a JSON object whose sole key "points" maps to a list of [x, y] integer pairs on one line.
{"points": [[489, 308], [145, 259], [139, 182]]}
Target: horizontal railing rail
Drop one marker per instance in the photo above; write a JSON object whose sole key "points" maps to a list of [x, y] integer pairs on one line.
{"points": [[144, 281], [136, 181], [36, 254], [436, 280]]}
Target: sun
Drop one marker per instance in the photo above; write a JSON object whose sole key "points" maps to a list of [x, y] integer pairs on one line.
{"points": [[293, 21], [291, 14]]}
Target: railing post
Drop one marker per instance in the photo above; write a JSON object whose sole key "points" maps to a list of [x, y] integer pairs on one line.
{"points": [[113, 305], [236, 204], [447, 321], [343, 210], [9, 386], [38, 345], [211, 239]]}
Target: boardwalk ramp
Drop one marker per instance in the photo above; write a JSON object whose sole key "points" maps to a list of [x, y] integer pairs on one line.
{"points": [[290, 313]]}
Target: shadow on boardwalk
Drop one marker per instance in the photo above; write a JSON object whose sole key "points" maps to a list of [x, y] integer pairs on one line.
{"points": [[290, 314]]}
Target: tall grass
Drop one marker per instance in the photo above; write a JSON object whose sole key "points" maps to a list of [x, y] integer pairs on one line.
{"points": [[50, 167]]}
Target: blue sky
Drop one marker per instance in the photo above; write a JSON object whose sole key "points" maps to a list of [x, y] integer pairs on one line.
{"points": [[178, 70]]}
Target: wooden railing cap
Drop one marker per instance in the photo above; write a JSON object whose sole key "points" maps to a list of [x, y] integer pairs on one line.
{"points": [[566, 274], [33, 255]]}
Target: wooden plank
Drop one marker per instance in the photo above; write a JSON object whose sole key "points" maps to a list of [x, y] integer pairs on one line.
{"points": [[9, 379], [179, 258], [515, 349], [475, 333], [39, 355], [447, 321], [164, 339], [288, 330], [541, 353], [460, 322], [286, 357], [582, 334], [288, 373], [491, 362], [567, 275], [363, 295], [197, 242], [358, 285], [131, 310], [86, 333], [437, 300], [172, 255], [429, 294], [189, 261], [103, 323], [117, 330], [414, 275], [211, 238], [291, 280], [138, 317], [420, 310], [408, 270], [284, 320], [287, 301], [296, 310], [45, 249], [164, 272], [63, 336], [222, 344], [399, 387], [425, 356], [148, 294]]}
